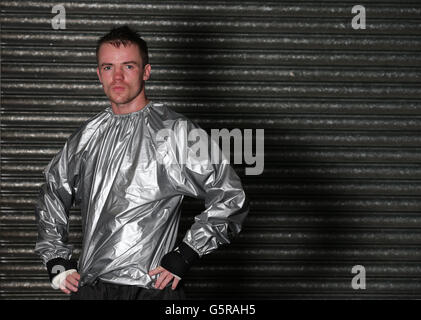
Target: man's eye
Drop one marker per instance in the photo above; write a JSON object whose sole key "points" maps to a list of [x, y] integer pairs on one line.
{"points": [[107, 68], [129, 67]]}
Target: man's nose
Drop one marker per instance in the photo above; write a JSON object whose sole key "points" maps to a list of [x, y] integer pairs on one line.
{"points": [[118, 74]]}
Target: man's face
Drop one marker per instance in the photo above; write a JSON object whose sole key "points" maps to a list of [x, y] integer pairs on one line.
{"points": [[121, 72]]}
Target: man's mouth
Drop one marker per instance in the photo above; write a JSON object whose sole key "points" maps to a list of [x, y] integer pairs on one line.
{"points": [[118, 88]]}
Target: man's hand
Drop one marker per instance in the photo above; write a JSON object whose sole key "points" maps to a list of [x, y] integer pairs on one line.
{"points": [[164, 278], [71, 283]]}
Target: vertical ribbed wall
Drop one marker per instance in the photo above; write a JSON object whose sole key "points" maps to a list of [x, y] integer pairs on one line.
{"points": [[341, 109]]}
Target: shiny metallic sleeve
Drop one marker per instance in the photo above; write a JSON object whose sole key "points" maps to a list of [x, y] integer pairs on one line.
{"points": [[216, 182], [55, 199]]}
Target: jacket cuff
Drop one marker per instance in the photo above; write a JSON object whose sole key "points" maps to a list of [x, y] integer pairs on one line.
{"points": [[57, 265], [179, 261]]}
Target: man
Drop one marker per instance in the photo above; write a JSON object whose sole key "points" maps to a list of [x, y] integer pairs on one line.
{"points": [[129, 182]]}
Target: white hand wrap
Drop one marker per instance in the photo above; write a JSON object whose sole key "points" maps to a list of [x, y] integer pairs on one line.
{"points": [[59, 279]]}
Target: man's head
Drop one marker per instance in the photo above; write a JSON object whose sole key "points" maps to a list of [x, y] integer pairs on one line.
{"points": [[123, 68]]}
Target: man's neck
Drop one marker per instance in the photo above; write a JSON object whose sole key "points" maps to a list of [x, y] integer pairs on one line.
{"points": [[129, 108]]}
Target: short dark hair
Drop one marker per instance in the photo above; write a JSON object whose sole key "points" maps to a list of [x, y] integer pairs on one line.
{"points": [[125, 35]]}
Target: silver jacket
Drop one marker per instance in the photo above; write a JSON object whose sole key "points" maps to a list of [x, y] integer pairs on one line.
{"points": [[129, 181]]}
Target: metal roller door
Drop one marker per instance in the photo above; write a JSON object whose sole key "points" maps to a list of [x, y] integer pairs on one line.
{"points": [[338, 204]]}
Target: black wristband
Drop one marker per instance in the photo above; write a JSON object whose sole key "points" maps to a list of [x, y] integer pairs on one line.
{"points": [[179, 261], [57, 265]]}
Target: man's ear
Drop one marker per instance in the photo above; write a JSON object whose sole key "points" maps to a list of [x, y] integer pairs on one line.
{"points": [[99, 74], [146, 72]]}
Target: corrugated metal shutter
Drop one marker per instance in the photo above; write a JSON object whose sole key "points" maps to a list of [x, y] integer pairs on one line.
{"points": [[341, 110]]}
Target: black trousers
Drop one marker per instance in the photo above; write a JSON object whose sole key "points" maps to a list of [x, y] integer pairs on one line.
{"points": [[101, 290]]}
